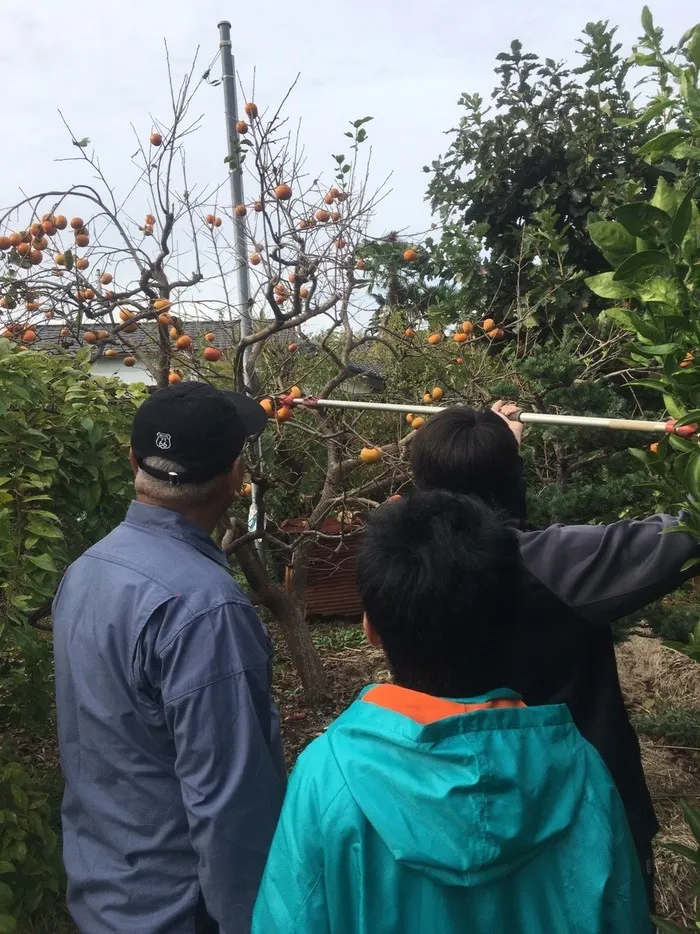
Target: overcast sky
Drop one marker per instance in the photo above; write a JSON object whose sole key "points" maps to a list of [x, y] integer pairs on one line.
{"points": [[404, 63]]}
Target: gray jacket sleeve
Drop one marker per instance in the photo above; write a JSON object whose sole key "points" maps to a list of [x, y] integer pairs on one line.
{"points": [[605, 572], [215, 682]]}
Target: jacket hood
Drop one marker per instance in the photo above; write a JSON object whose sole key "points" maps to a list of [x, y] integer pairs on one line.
{"points": [[463, 791]]}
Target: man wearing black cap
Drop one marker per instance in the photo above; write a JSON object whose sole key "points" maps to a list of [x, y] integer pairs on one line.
{"points": [[169, 739]]}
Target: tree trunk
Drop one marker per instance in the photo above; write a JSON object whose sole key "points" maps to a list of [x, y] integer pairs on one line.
{"points": [[290, 617]]}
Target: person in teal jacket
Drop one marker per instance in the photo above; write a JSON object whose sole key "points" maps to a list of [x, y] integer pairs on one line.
{"points": [[423, 810]]}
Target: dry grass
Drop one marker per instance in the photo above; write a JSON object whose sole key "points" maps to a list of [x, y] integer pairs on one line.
{"points": [[654, 677], [650, 671]]}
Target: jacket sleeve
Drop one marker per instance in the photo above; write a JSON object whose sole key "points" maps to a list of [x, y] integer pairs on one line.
{"points": [[605, 572], [215, 684], [625, 905], [292, 897]]}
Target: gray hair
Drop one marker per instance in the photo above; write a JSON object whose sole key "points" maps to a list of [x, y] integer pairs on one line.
{"points": [[173, 495]]}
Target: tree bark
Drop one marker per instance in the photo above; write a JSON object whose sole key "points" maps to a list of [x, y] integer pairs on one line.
{"points": [[291, 619]]}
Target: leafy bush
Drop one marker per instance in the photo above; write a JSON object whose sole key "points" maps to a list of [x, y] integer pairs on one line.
{"points": [[673, 618], [65, 480], [30, 868], [680, 726], [64, 475]]}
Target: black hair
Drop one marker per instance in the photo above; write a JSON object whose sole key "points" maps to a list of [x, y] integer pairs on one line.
{"points": [[439, 575], [468, 451]]}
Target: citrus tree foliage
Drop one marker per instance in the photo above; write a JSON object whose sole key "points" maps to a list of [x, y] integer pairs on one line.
{"points": [[64, 483], [551, 140], [653, 247]]}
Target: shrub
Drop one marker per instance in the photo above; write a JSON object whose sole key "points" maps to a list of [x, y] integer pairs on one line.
{"points": [[30, 869]]}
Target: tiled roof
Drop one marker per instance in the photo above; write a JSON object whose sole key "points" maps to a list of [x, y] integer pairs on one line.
{"points": [[49, 336]]}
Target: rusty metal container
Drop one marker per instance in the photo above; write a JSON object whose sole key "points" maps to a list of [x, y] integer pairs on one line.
{"points": [[331, 589]]}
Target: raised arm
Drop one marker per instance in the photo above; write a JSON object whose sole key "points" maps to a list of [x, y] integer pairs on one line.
{"points": [[605, 572]]}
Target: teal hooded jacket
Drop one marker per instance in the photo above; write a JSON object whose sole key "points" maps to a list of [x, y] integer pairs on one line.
{"points": [[417, 815]]}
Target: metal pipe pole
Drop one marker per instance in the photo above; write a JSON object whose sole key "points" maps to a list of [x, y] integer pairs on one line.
{"points": [[235, 174], [527, 418]]}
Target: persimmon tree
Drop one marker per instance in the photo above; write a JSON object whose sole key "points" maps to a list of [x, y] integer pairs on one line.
{"points": [[129, 277]]}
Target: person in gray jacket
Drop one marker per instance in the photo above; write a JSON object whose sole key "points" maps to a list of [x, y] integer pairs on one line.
{"points": [[169, 740], [578, 580]]}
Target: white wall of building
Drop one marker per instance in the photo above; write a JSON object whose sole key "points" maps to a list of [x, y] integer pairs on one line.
{"points": [[127, 374]]}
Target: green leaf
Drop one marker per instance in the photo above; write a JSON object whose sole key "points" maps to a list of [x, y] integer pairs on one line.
{"points": [[682, 850], [647, 22], [640, 455], [657, 350], [653, 110], [649, 384], [692, 819], [19, 796], [640, 263], [627, 319], [612, 240], [674, 408], [662, 145], [689, 417], [8, 925], [692, 49], [651, 61], [686, 151], [660, 290], [605, 285], [642, 220], [42, 529], [665, 197], [5, 895], [6, 867], [692, 477], [682, 219], [622, 317], [683, 445], [45, 562]]}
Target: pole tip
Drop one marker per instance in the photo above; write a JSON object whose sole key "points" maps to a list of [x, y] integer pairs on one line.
{"points": [[224, 22], [683, 431]]}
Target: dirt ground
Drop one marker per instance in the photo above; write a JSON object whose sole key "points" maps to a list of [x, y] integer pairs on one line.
{"points": [[652, 677]]}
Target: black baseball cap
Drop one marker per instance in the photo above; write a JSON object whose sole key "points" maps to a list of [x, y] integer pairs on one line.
{"points": [[202, 428]]}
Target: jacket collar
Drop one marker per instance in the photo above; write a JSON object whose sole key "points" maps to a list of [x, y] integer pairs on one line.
{"points": [[159, 521]]}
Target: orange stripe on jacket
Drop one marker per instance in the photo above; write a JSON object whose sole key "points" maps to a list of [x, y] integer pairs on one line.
{"points": [[424, 708]]}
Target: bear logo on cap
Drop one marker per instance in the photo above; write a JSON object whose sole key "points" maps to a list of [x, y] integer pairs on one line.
{"points": [[163, 440]]}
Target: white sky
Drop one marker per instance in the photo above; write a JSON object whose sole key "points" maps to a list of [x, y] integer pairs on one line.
{"points": [[403, 62]]}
